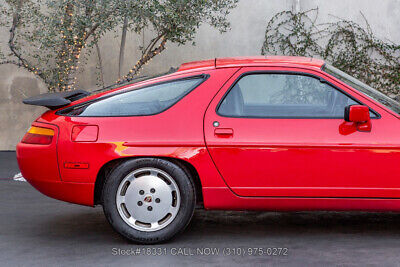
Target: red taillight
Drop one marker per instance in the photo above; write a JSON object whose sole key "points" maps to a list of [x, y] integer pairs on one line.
{"points": [[38, 135]]}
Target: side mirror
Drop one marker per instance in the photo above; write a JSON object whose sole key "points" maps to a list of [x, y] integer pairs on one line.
{"points": [[359, 115]]}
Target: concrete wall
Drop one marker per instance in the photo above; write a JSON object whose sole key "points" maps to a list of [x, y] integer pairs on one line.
{"points": [[248, 20]]}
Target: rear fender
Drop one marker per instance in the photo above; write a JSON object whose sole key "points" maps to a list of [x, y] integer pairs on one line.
{"points": [[39, 162]]}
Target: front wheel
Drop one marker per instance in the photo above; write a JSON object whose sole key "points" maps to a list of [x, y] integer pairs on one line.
{"points": [[148, 200]]}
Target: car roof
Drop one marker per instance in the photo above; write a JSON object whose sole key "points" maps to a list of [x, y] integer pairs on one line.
{"points": [[228, 62]]}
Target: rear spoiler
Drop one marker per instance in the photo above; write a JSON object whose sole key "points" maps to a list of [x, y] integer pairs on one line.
{"points": [[56, 100]]}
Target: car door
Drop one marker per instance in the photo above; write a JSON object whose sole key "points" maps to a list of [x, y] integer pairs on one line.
{"points": [[280, 132]]}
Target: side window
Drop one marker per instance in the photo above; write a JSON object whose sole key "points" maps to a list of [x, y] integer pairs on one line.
{"points": [[283, 96], [148, 100]]}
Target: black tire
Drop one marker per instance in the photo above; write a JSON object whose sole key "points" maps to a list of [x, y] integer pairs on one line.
{"points": [[177, 225]]}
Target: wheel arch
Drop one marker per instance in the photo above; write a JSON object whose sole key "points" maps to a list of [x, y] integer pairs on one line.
{"points": [[106, 169]]}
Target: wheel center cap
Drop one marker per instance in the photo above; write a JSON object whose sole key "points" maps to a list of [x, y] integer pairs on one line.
{"points": [[148, 199]]}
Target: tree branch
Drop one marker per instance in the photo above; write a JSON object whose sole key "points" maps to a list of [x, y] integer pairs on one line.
{"points": [[97, 25], [100, 64], [11, 41], [122, 46], [13, 62], [147, 57], [11, 44], [152, 43], [91, 31]]}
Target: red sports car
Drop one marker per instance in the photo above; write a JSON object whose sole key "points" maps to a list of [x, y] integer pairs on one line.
{"points": [[263, 133]]}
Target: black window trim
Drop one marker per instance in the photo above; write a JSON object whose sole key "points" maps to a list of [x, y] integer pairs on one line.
{"points": [[203, 76], [321, 79], [359, 92]]}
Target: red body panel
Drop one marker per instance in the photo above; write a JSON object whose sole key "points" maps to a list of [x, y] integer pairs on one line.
{"points": [[305, 157], [268, 61], [222, 199], [267, 164], [39, 162]]}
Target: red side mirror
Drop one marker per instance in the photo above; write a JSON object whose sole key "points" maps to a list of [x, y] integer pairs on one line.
{"points": [[359, 115]]}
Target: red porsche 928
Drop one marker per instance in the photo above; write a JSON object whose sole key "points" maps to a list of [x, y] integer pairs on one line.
{"points": [[262, 133]]}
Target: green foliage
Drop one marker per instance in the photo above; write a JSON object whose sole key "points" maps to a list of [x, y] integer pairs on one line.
{"points": [[345, 44], [173, 21], [47, 36], [179, 19], [52, 38]]}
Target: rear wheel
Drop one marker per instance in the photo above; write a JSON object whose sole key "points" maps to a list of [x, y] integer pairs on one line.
{"points": [[148, 200]]}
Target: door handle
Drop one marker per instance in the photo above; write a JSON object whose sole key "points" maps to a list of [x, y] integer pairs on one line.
{"points": [[223, 132]]}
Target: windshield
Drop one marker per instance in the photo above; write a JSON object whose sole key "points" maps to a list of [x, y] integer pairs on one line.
{"points": [[363, 88]]}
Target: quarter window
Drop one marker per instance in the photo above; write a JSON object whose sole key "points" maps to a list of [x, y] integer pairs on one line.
{"points": [[138, 102], [284, 96]]}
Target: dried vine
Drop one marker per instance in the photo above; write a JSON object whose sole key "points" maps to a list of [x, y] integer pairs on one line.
{"points": [[345, 44]]}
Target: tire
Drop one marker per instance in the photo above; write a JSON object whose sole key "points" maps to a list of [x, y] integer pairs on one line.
{"points": [[136, 195]]}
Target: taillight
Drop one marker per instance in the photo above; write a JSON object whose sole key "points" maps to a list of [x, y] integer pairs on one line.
{"points": [[38, 135]]}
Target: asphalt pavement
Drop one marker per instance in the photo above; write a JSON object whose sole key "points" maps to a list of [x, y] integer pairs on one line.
{"points": [[38, 231], [8, 164]]}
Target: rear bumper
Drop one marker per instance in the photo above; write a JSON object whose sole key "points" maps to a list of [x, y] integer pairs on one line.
{"points": [[77, 193], [39, 166]]}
